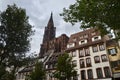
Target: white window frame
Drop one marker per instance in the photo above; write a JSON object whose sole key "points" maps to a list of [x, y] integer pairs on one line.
{"points": [[70, 45], [94, 38], [83, 42]]}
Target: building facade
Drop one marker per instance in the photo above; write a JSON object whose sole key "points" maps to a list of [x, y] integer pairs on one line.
{"points": [[113, 49], [24, 72], [96, 57], [88, 50]]}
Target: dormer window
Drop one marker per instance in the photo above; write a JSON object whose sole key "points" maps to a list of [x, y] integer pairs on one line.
{"points": [[82, 42], [70, 45], [96, 38]]}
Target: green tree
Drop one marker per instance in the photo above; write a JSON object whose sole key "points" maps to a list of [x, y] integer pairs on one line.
{"points": [[65, 68], [38, 73], [103, 14], [15, 32], [2, 71]]}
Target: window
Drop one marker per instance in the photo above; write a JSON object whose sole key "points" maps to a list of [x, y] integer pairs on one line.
{"points": [[95, 48], [101, 47], [99, 73], [114, 64], [81, 53], [104, 58], [70, 45], [90, 74], [87, 52], [83, 74], [107, 72], [82, 64], [73, 54], [96, 38], [82, 42], [88, 62], [97, 59], [112, 51]]}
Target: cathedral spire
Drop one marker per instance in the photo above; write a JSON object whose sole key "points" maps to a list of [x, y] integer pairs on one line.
{"points": [[50, 22], [50, 30]]}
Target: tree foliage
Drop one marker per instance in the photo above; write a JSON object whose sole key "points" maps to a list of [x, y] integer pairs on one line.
{"points": [[38, 73], [103, 14], [2, 71], [65, 68], [15, 32]]}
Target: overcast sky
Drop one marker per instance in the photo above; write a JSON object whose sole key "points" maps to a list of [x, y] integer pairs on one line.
{"points": [[39, 13]]}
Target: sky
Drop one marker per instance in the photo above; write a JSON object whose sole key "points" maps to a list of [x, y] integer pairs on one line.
{"points": [[39, 13]]}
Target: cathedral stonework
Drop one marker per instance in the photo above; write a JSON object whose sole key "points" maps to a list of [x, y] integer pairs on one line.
{"points": [[50, 42]]}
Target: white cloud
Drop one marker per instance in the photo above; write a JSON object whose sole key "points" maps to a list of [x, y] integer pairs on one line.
{"points": [[39, 13]]}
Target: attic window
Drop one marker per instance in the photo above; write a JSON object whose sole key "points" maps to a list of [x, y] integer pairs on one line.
{"points": [[96, 38], [70, 45], [82, 42]]}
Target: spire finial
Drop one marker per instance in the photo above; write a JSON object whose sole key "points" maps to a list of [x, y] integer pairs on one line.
{"points": [[50, 23], [51, 13]]}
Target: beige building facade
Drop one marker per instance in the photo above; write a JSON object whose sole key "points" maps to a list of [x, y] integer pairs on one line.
{"points": [[88, 50], [114, 57]]}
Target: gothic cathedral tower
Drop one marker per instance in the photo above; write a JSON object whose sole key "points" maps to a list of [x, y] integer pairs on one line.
{"points": [[50, 30], [49, 34]]}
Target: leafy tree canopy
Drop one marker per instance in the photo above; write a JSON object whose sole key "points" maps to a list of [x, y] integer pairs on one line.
{"points": [[103, 14], [65, 68], [38, 73], [15, 32]]}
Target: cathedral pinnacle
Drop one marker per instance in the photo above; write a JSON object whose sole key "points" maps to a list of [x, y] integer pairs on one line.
{"points": [[50, 22]]}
